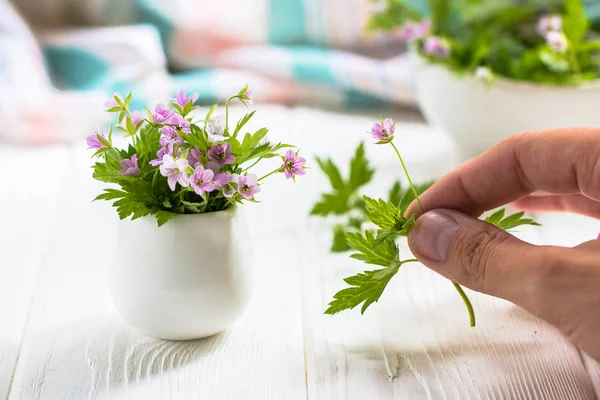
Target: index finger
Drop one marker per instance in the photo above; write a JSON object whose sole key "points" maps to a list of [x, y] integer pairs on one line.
{"points": [[561, 161]]}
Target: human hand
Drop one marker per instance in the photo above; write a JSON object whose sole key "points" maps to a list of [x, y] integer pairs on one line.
{"points": [[559, 285]]}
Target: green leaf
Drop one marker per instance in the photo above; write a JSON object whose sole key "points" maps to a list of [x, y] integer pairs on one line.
{"points": [[364, 287], [243, 121], [339, 244], [367, 251], [395, 194], [382, 213], [575, 22], [360, 171], [331, 204], [332, 172], [510, 222], [163, 217], [111, 194]]}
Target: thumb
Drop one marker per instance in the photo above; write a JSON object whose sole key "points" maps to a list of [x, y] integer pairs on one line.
{"points": [[478, 255]]}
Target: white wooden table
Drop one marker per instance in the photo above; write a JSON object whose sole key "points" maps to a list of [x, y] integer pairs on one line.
{"points": [[60, 337]]}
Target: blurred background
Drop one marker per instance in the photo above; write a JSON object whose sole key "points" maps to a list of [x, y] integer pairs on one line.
{"points": [[56, 55]]}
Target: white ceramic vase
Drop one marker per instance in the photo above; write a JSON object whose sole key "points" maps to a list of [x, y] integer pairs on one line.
{"points": [[190, 278], [478, 116]]}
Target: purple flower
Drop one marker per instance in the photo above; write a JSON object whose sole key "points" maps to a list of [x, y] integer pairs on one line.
{"points": [[174, 170], [161, 114], [221, 154], [93, 141], [130, 166], [180, 123], [413, 31], [384, 131], [436, 46], [548, 23], [160, 154], [136, 117], [202, 180], [248, 186], [169, 136], [182, 98], [557, 41], [194, 156], [292, 164], [214, 130]]}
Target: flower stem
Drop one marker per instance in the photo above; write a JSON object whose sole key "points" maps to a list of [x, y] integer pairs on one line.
{"points": [[227, 112], [414, 190], [270, 173], [468, 304], [253, 164], [409, 261], [458, 288], [574, 60]]}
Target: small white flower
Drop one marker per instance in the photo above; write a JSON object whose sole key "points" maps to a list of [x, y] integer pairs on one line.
{"points": [[215, 132], [557, 41], [484, 75], [549, 23]]}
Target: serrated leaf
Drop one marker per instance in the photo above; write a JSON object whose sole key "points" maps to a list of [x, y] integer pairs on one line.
{"points": [[408, 196], [383, 254], [339, 244], [360, 171], [365, 287], [332, 172], [510, 222], [382, 213], [330, 204], [163, 217]]}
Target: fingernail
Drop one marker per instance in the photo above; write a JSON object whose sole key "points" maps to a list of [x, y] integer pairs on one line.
{"points": [[432, 235]]}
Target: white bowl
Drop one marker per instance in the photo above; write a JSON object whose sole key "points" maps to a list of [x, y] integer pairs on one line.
{"points": [[478, 116], [189, 279]]}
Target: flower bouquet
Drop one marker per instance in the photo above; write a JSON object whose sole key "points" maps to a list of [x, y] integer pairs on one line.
{"points": [[191, 277]]}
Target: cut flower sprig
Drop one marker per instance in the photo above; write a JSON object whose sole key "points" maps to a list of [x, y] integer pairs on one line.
{"points": [[178, 165], [379, 247]]}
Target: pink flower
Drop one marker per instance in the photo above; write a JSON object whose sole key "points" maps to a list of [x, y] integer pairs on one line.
{"points": [[413, 31], [384, 131], [557, 41], [221, 154], [130, 166], [182, 98], [159, 154], [226, 188], [194, 156], [174, 170], [136, 117], [180, 123], [214, 130], [293, 165], [548, 23], [248, 186], [202, 180], [161, 114], [248, 93], [169, 136], [436, 46], [93, 141], [111, 103]]}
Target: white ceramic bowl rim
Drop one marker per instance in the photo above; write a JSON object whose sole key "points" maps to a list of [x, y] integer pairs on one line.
{"points": [[514, 84]]}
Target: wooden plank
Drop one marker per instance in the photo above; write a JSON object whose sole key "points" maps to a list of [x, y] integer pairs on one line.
{"points": [[31, 180], [416, 342], [593, 369], [77, 347]]}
